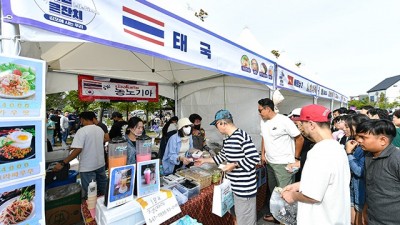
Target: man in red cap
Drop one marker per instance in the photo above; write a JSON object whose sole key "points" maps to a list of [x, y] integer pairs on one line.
{"points": [[323, 194]]}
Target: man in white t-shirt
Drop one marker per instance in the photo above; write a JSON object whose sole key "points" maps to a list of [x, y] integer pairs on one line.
{"points": [[323, 194], [88, 144], [281, 144]]}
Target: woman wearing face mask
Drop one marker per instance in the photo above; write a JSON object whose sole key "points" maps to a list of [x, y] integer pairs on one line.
{"points": [[170, 128], [134, 130], [177, 146]]}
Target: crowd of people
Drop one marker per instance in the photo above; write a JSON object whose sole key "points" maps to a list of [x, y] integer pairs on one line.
{"points": [[341, 167]]}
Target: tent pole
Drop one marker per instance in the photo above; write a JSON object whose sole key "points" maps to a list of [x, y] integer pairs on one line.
{"points": [[315, 100], [176, 98], [9, 41], [223, 81]]}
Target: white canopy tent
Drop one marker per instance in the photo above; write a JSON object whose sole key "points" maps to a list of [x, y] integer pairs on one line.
{"points": [[198, 85]]}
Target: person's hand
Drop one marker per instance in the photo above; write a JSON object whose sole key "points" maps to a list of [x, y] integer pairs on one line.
{"points": [[290, 166], [289, 196], [57, 167], [228, 167], [199, 162], [263, 159], [350, 146], [292, 187], [186, 161]]}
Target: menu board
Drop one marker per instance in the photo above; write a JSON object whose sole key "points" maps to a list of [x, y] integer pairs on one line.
{"points": [[21, 86], [28, 197], [21, 149], [120, 186], [148, 177]]}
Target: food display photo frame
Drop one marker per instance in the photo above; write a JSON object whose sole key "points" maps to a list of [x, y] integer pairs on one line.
{"points": [[21, 149], [22, 90], [121, 185], [148, 177], [22, 202]]}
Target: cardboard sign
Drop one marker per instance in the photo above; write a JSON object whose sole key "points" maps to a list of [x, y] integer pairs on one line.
{"points": [[159, 207]]}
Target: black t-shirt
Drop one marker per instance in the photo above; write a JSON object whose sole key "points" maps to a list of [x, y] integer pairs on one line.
{"points": [[103, 127], [115, 130]]}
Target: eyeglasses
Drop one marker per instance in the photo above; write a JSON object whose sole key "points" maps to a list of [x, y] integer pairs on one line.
{"points": [[260, 110]]}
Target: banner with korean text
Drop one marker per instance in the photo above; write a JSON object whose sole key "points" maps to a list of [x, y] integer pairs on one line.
{"points": [[145, 28], [290, 80], [92, 88]]}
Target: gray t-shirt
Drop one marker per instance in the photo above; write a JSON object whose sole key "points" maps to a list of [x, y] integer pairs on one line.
{"points": [[90, 138], [382, 175]]}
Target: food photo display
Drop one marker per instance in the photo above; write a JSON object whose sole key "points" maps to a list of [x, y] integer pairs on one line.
{"points": [[148, 177], [22, 203], [121, 185], [21, 86], [21, 149]]}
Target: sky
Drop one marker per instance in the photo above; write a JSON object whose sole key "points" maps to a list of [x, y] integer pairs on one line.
{"points": [[347, 45]]}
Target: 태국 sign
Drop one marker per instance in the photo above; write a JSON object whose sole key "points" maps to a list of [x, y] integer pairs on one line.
{"points": [[97, 88]]}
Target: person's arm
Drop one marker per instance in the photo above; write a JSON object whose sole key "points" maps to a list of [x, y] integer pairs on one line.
{"points": [[292, 196], [75, 152], [106, 137], [364, 215], [263, 159], [299, 141]]}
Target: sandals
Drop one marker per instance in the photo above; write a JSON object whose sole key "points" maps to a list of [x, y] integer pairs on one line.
{"points": [[269, 218]]}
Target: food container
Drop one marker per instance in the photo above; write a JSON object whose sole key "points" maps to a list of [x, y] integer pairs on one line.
{"points": [[192, 186], [197, 174], [181, 193], [173, 179]]}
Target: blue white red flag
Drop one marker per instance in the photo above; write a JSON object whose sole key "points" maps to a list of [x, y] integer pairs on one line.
{"points": [[143, 26]]}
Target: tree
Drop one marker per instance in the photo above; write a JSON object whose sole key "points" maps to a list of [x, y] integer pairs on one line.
{"points": [[55, 101], [72, 99], [382, 101]]}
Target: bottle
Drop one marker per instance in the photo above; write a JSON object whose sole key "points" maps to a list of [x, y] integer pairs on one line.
{"points": [[161, 171], [92, 188]]}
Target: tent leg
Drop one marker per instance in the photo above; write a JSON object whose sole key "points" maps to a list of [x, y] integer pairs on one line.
{"points": [[176, 98]]}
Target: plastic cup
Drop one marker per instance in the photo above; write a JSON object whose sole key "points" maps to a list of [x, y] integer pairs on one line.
{"points": [[91, 202]]}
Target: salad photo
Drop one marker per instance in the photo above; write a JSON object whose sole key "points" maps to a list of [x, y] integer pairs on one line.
{"points": [[16, 81], [16, 143], [17, 206]]}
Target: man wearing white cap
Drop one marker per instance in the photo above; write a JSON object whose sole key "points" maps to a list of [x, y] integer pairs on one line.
{"points": [[323, 194]]}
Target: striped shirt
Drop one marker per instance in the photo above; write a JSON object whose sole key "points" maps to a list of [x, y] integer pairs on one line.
{"points": [[240, 148]]}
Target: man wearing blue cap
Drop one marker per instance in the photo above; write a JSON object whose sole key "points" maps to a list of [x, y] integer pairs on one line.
{"points": [[241, 155]]}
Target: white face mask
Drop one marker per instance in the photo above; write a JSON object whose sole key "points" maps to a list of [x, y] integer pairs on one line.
{"points": [[187, 130], [138, 132]]}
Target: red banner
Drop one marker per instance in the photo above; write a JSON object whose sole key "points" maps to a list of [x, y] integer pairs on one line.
{"points": [[92, 88]]}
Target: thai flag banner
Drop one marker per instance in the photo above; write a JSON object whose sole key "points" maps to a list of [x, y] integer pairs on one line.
{"points": [[142, 27]]}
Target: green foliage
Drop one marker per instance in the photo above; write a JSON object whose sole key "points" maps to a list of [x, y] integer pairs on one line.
{"points": [[55, 101], [69, 101]]}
